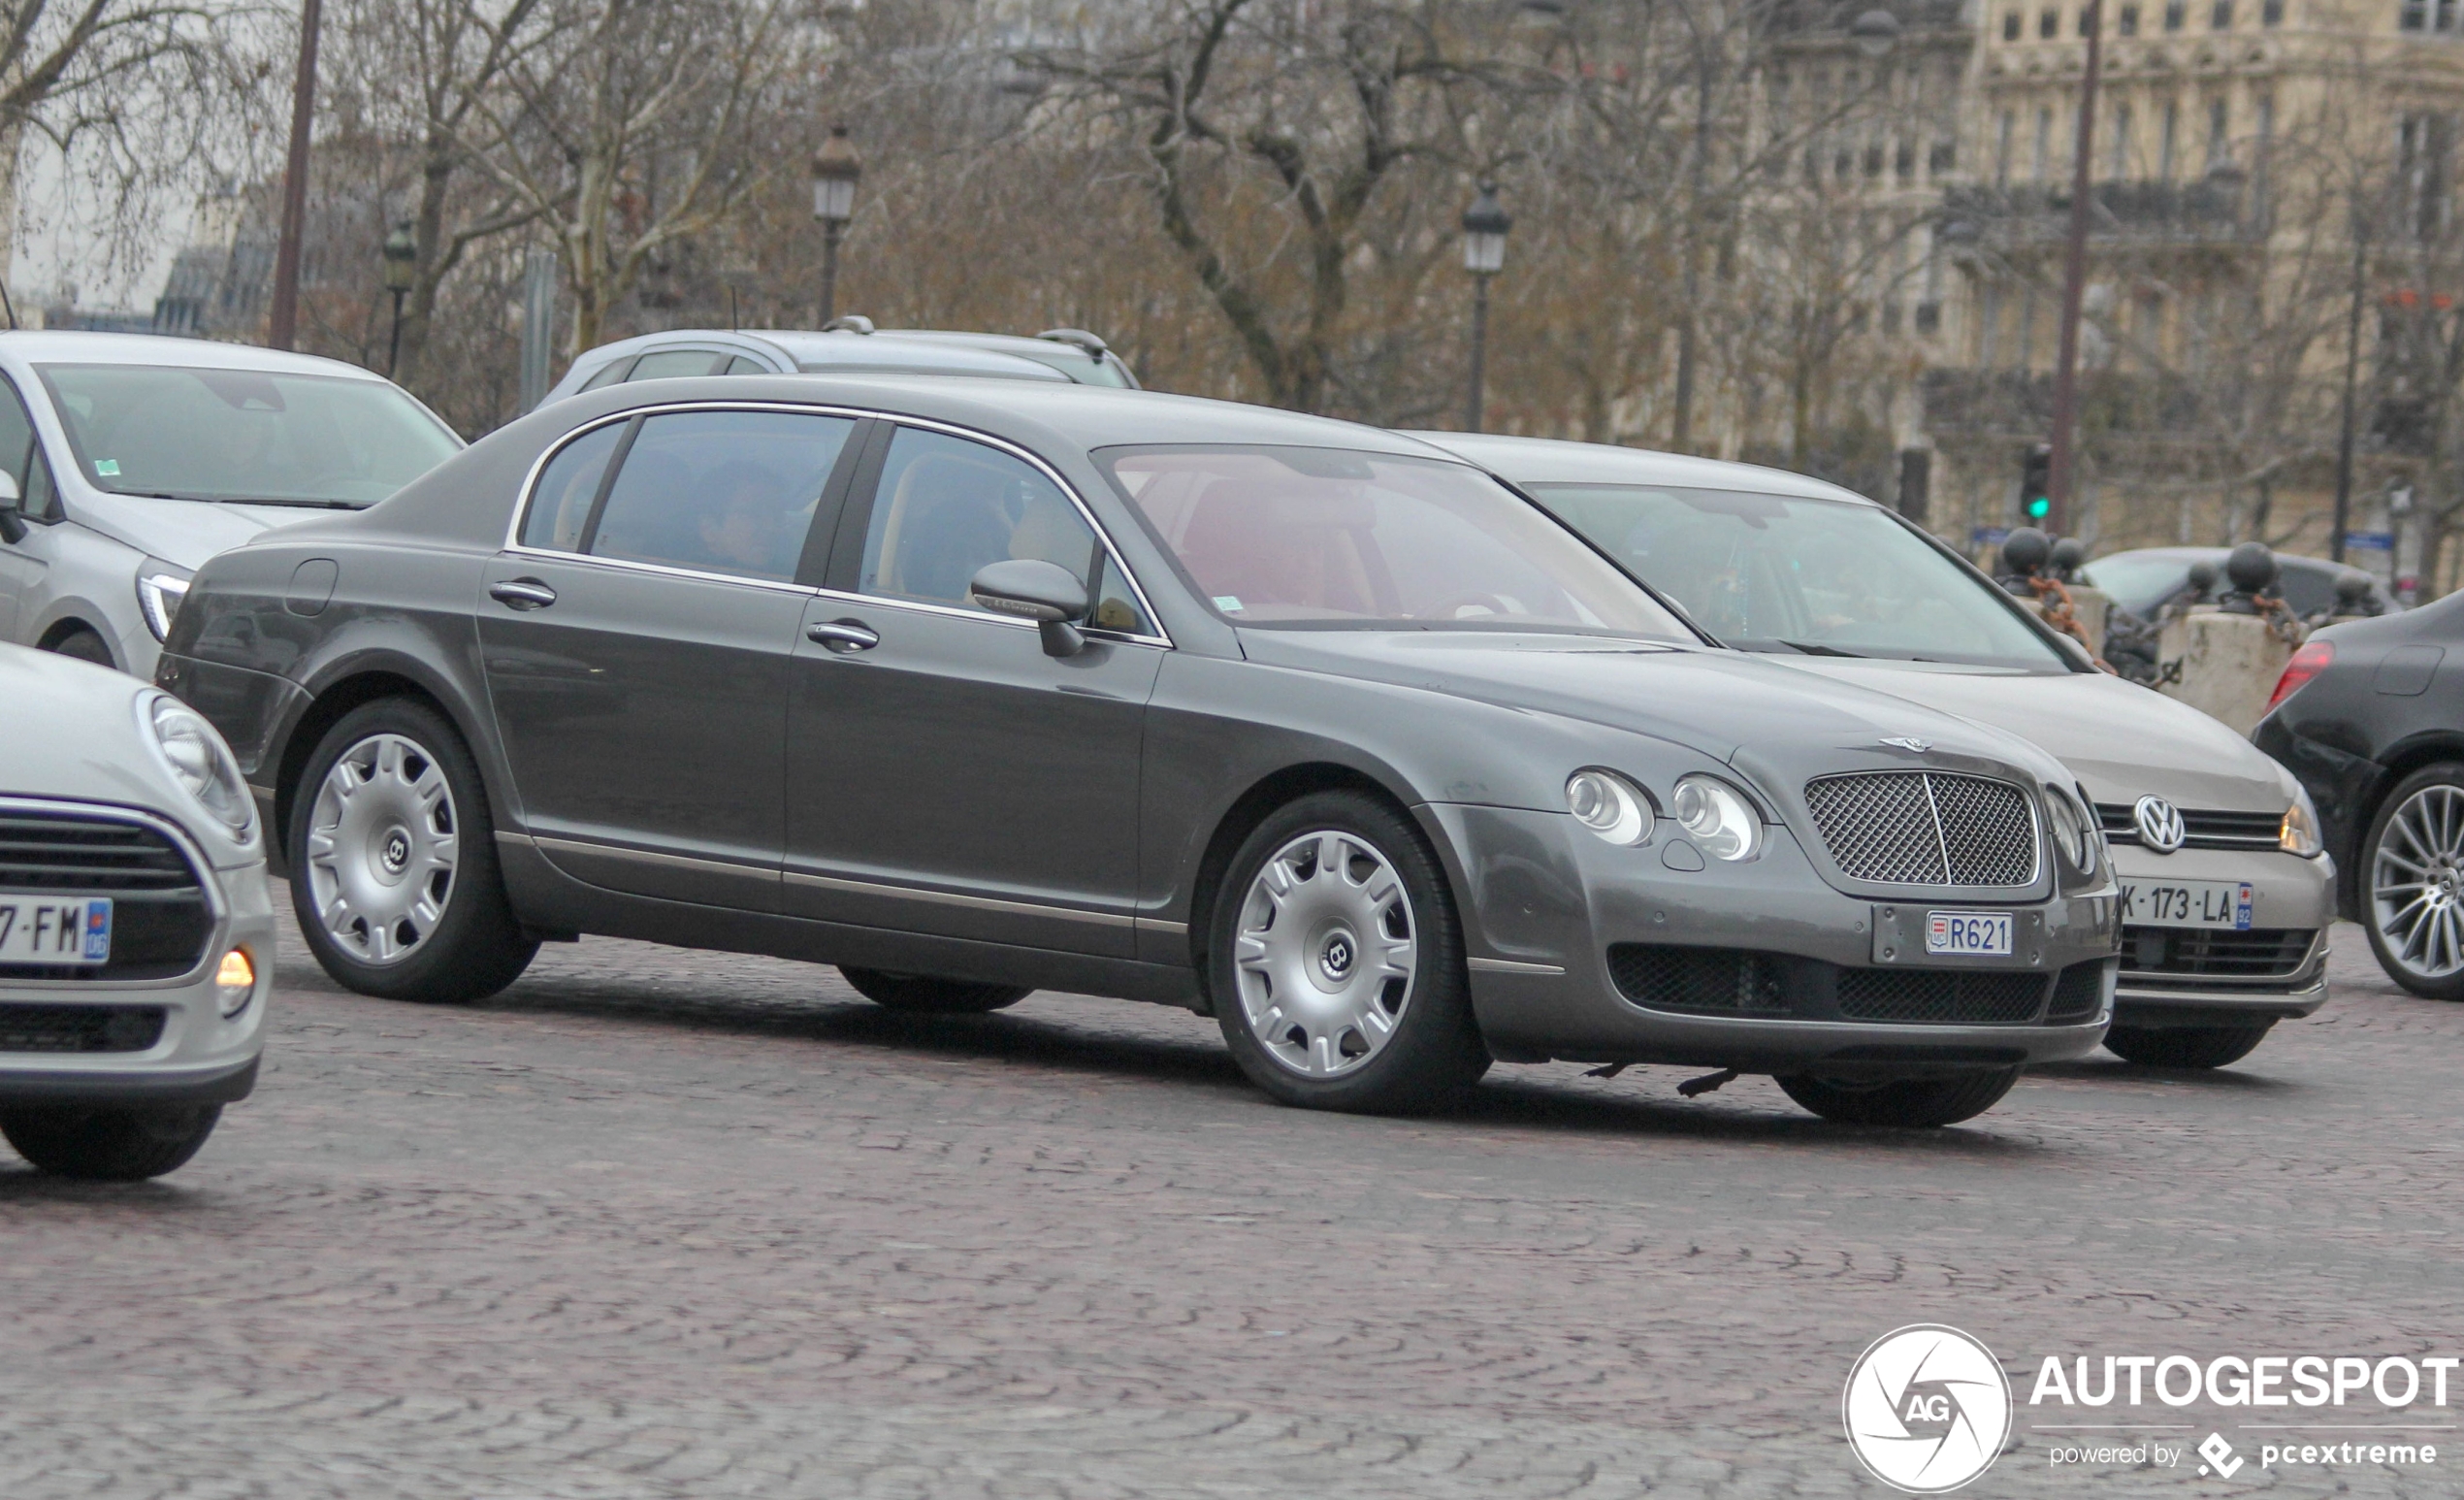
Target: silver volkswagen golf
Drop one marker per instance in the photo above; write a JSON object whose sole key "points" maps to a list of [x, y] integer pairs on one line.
{"points": [[136, 934]]}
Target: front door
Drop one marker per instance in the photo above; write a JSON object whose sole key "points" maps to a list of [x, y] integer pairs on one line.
{"points": [[637, 645], [946, 775]]}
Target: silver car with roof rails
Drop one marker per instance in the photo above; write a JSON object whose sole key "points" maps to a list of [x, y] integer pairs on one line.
{"points": [[2227, 896], [850, 345]]}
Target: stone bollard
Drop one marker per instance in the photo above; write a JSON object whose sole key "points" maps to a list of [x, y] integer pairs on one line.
{"points": [[2090, 607], [2223, 664]]}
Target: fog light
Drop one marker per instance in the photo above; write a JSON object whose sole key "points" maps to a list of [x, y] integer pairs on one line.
{"points": [[234, 981]]}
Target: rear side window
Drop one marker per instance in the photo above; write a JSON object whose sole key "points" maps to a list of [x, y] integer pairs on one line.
{"points": [[947, 506], [568, 488], [730, 492], [608, 374], [667, 364], [742, 366]]}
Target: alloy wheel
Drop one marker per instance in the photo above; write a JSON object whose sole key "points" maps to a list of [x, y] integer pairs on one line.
{"points": [[1325, 951], [2417, 883], [381, 848]]}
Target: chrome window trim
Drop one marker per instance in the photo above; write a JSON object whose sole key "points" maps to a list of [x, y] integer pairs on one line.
{"points": [[763, 872], [530, 484], [208, 880]]}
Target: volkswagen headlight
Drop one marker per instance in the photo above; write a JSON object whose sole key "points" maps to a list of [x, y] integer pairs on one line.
{"points": [[1718, 817], [2298, 833], [203, 765], [1611, 806], [160, 589]]}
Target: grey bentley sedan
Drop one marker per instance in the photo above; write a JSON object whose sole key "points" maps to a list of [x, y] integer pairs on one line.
{"points": [[973, 690]]}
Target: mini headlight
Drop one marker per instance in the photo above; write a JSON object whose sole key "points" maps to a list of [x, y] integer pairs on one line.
{"points": [[160, 588], [1611, 806], [1718, 817], [202, 764], [2298, 833]]}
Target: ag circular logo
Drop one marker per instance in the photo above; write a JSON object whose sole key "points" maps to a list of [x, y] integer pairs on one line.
{"points": [[1926, 1408]]}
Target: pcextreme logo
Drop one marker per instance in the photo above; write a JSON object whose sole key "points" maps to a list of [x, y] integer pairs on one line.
{"points": [[1926, 1408]]}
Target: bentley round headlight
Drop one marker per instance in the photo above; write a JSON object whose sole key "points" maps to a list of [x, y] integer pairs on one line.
{"points": [[202, 764], [2298, 833], [1718, 817], [2071, 829], [1611, 806]]}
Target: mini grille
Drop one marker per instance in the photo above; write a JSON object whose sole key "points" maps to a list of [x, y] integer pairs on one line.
{"points": [[2200, 830], [160, 920], [2079, 991], [1926, 829], [2261, 953], [79, 1027], [1716, 980], [1940, 996]]}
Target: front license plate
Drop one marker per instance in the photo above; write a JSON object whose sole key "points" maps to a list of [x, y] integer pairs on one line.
{"points": [[1981, 935], [53, 930], [2188, 903]]}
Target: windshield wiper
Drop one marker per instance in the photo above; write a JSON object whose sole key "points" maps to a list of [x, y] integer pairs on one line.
{"points": [[1809, 648], [294, 504]]}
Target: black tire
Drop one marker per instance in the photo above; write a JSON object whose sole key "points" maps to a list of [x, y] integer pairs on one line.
{"points": [[110, 1145], [84, 645], [1911, 1103], [2186, 1046], [2430, 986], [476, 946], [1430, 1052], [922, 994]]}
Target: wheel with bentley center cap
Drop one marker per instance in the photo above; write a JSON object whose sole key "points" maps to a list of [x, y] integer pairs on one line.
{"points": [[2412, 883], [1335, 961], [393, 861]]}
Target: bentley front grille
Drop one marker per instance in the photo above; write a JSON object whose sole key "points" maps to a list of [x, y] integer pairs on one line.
{"points": [[1926, 829]]}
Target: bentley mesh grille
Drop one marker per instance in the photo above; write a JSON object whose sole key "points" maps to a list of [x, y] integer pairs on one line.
{"points": [[1926, 829], [1718, 981], [2079, 991], [1940, 996]]}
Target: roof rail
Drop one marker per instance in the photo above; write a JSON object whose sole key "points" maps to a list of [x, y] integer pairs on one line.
{"points": [[1078, 338], [848, 323]]}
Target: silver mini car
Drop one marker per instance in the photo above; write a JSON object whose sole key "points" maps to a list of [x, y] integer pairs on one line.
{"points": [[2226, 895], [136, 935]]}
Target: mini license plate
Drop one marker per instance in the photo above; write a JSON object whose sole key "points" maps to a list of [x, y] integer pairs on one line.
{"points": [[55, 930], [2186, 904], [1984, 934]]}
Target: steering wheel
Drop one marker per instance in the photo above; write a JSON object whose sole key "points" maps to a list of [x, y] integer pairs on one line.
{"points": [[1444, 609]]}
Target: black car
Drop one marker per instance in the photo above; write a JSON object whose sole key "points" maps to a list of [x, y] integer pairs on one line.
{"points": [[976, 687], [2145, 581], [2370, 715]]}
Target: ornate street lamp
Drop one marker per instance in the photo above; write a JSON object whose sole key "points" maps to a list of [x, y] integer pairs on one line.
{"points": [[401, 268], [1485, 229], [836, 170]]}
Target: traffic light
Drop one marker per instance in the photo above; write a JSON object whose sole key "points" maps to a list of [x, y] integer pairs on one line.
{"points": [[2036, 481]]}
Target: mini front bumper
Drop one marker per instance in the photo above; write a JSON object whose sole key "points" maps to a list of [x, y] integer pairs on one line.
{"points": [[1546, 904], [201, 1056], [2274, 970]]}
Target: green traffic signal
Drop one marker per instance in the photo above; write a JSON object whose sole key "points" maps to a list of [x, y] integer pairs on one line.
{"points": [[2037, 507]]}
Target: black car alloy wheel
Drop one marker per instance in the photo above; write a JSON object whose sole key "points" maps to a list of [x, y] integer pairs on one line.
{"points": [[1335, 961], [2413, 859]]}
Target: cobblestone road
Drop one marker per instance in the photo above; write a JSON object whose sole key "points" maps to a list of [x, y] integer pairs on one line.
{"points": [[666, 1225]]}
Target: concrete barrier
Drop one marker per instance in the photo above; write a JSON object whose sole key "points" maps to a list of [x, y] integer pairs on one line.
{"points": [[2223, 664]]}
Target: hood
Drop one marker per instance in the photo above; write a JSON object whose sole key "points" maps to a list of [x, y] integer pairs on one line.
{"points": [[2121, 741], [183, 533], [89, 747], [1768, 720]]}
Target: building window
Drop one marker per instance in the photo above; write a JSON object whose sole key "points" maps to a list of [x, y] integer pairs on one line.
{"points": [[2218, 148], [2121, 144], [2002, 130], [2174, 12], [2425, 149], [2128, 23], [2049, 24], [2010, 25], [2447, 15], [2164, 147], [2220, 17], [1943, 157], [2044, 141], [1904, 160], [2271, 13], [2414, 17]]}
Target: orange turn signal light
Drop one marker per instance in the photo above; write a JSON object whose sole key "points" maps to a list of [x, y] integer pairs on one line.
{"points": [[237, 972]]}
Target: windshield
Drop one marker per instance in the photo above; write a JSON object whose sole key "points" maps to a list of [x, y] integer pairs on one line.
{"points": [[1276, 536], [1817, 577], [183, 433]]}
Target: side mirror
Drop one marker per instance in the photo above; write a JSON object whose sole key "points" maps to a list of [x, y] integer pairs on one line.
{"points": [[1029, 588], [12, 516]]}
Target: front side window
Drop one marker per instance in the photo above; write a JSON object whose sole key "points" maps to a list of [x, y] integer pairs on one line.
{"points": [[22, 458], [726, 492], [1815, 577], [947, 506], [246, 435], [1320, 537]]}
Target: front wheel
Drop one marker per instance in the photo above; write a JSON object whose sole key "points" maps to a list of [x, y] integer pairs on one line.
{"points": [[1336, 964], [1909, 1103], [394, 862], [110, 1145], [922, 994], [2186, 1046], [2413, 863]]}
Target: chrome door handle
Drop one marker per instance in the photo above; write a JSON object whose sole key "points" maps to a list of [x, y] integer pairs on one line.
{"points": [[522, 593], [843, 636]]}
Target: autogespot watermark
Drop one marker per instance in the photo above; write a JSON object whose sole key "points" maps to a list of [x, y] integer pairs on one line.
{"points": [[1927, 1410]]}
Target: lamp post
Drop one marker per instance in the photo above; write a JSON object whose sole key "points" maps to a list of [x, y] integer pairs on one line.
{"points": [[2074, 284], [1484, 227], [402, 268], [283, 313], [836, 169]]}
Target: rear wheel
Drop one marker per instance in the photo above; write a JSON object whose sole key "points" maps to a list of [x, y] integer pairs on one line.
{"points": [[922, 994], [110, 1145], [1910, 1103], [394, 862], [2413, 866], [84, 645], [2186, 1046], [1335, 962]]}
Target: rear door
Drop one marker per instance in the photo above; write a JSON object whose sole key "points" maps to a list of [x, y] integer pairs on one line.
{"points": [[637, 639]]}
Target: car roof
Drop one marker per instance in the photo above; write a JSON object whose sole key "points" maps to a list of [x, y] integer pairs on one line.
{"points": [[853, 351], [71, 345], [1558, 461]]}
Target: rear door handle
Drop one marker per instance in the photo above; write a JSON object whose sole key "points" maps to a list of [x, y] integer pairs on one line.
{"points": [[522, 593], [843, 636]]}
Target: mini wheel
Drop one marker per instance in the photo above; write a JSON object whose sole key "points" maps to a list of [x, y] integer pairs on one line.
{"points": [[110, 1145]]}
